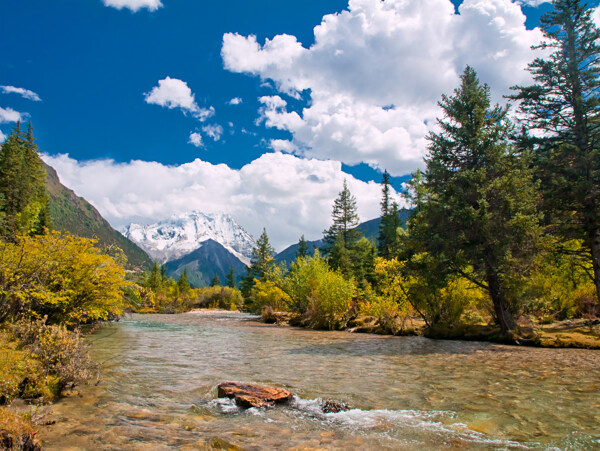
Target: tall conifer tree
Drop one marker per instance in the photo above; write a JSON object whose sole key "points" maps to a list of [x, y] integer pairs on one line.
{"points": [[387, 238], [345, 221], [478, 207], [564, 104]]}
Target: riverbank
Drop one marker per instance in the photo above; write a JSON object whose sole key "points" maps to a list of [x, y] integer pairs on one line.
{"points": [[572, 333]]}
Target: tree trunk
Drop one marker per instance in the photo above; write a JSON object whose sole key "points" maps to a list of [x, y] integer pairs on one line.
{"points": [[501, 308], [595, 251]]}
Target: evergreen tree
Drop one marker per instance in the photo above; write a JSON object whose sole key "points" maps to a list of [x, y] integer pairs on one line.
{"points": [[478, 206], [345, 221], [215, 282], [387, 238], [183, 283], [261, 263], [22, 183], [339, 258], [363, 261], [563, 104], [231, 281], [302, 250], [155, 280]]}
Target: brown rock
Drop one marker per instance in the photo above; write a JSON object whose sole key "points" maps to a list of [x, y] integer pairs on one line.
{"points": [[334, 406], [247, 395]]}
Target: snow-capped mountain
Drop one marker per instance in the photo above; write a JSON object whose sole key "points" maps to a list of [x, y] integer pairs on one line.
{"points": [[181, 234]]}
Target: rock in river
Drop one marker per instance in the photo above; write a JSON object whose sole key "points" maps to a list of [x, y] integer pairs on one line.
{"points": [[247, 395]]}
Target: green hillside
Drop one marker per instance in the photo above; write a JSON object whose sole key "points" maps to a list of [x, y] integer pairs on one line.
{"points": [[73, 214]]}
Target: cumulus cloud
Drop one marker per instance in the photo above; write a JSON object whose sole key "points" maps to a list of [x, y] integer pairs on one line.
{"points": [[2, 137], [174, 93], [290, 196], [25, 93], [213, 131], [134, 5], [376, 71], [196, 139], [9, 115], [235, 101]]}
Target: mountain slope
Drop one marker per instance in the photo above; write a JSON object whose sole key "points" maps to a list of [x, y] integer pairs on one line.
{"points": [[204, 262], [73, 214], [176, 237]]}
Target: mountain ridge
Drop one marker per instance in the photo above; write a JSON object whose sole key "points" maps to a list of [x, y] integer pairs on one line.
{"points": [[175, 237], [72, 213]]}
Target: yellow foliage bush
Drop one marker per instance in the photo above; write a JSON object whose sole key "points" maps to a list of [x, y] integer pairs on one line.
{"points": [[17, 431], [267, 293], [225, 298], [60, 276]]}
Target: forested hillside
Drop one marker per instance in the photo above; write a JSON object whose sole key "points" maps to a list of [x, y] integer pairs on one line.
{"points": [[73, 214]]}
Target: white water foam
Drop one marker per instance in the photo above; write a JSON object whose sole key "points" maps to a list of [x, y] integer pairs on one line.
{"points": [[387, 421]]}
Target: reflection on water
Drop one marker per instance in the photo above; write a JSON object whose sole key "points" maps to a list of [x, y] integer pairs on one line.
{"points": [[158, 390]]}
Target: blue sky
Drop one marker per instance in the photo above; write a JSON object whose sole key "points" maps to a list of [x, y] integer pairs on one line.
{"points": [[100, 68]]}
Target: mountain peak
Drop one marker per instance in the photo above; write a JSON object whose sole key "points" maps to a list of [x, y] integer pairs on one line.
{"points": [[183, 233]]}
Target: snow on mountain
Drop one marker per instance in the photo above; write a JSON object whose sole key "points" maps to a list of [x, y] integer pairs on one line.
{"points": [[181, 234]]}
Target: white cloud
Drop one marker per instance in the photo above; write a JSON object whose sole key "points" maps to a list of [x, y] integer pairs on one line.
{"points": [[376, 72], [134, 5], [288, 195], [235, 101], [196, 139], [2, 137], [534, 3], [174, 93], [25, 93], [596, 16], [9, 115], [213, 131]]}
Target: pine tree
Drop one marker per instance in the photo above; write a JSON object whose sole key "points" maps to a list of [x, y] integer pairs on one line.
{"points": [[215, 282], [563, 104], [183, 283], [231, 280], [261, 263], [345, 221], [387, 238], [302, 250], [11, 176], [155, 280], [22, 183], [478, 206]]}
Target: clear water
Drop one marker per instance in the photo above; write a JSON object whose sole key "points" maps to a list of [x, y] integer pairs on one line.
{"points": [[158, 390]]}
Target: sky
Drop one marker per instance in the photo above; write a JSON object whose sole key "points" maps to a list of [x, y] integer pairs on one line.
{"points": [[260, 109]]}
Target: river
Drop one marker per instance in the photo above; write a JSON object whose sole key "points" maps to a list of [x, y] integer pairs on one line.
{"points": [[160, 372]]}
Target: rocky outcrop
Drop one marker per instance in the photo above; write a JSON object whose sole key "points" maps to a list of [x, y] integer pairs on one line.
{"points": [[247, 395]]}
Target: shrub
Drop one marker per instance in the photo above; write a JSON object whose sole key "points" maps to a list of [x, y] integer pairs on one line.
{"points": [[63, 354], [267, 293], [560, 286], [65, 278], [323, 296], [17, 432], [21, 375], [225, 298]]}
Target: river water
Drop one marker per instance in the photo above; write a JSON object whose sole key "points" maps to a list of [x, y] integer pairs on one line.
{"points": [[160, 372]]}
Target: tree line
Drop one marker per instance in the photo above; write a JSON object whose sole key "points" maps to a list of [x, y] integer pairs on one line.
{"points": [[505, 216]]}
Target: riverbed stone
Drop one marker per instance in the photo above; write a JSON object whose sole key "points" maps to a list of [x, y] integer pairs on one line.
{"points": [[249, 395], [330, 406]]}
